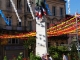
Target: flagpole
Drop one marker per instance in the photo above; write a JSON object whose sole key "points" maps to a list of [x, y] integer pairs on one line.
{"points": [[15, 10], [29, 4]]}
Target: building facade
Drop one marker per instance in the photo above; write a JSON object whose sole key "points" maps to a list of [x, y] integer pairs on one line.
{"points": [[27, 24]]}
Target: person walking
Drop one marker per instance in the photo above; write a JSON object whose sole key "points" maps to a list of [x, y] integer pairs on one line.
{"points": [[48, 57], [43, 57], [64, 57]]}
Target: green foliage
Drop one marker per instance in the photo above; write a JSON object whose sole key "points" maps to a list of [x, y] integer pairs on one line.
{"points": [[30, 41], [56, 52], [33, 57], [19, 56], [74, 52], [63, 48], [52, 50], [56, 55], [26, 45], [5, 58], [37, 58], [73, 48]]}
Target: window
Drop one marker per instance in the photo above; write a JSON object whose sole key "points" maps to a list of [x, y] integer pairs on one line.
{"points": [[30, 25], [0, 3], [13, 41], [61, 12], [54, 11], [19, 4], [8, 3], [9, 19], [19, 24]]}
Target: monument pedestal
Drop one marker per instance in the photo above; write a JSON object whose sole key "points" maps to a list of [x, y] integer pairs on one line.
{"points": [[41, 37]]}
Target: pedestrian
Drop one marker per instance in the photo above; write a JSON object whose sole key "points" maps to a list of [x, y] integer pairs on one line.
{"points": [[43, 57], [64, 57], [48, 57]]}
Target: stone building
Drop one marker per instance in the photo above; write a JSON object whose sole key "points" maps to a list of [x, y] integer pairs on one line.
{"points": [[27, 24]]}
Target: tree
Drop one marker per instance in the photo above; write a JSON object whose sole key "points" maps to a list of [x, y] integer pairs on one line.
{"points": [[56, 52], [5, 58], [74, 53], [34, 57], [29, 44]]}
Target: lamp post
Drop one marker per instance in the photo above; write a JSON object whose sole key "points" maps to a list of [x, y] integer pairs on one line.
{"points": [[77, 34]]}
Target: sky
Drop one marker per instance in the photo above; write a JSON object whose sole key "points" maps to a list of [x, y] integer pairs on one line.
{"points": [[74, 6]]}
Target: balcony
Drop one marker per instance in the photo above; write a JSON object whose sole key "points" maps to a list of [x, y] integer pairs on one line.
{"points": [[8, 7], [18, 28], [8, 27]]}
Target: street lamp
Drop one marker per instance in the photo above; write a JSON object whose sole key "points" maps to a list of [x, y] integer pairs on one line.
{"points": [[77, 34]]}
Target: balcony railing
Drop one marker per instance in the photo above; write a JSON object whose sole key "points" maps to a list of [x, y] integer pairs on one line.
{"points": [[20, 28]]}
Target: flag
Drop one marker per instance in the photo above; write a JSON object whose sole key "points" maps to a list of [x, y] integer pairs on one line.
{"points": [[44, 11], [47, 9], [41, 8], [40, 14], [36, 12], [3, 16]]}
